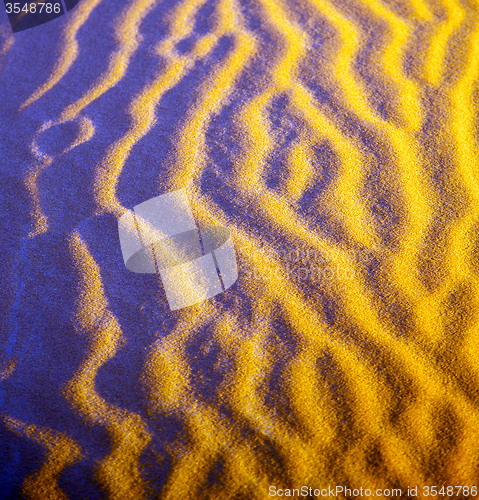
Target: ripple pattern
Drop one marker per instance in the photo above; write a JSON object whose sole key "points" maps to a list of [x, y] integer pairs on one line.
{"points": [[338, 142]]}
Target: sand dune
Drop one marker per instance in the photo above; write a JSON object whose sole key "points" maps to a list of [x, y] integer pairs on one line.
{"points": [[337, 140]]}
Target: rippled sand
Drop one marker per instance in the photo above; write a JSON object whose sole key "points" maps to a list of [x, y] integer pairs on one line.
{"points": [[338, 141]]}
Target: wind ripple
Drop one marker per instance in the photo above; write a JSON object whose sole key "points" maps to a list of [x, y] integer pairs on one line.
{"points": [[341, 131]]}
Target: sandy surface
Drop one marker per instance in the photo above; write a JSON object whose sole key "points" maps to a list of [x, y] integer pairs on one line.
{"points": [[337, 140]]}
